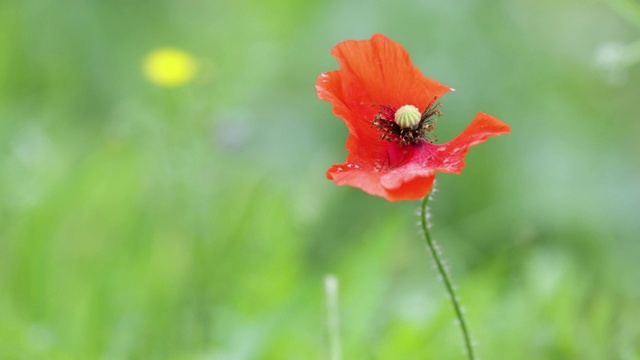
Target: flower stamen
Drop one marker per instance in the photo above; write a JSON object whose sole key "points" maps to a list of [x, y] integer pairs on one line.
{"points": [[406, 125]]}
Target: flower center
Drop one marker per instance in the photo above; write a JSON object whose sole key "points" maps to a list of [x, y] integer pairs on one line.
{"points": [[408, 116], [406, 125]]}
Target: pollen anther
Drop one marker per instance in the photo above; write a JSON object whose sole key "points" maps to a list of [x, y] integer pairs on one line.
{"points": [[407, 116]]}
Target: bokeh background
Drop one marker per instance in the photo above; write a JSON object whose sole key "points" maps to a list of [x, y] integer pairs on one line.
{"points": [[141, 221]]}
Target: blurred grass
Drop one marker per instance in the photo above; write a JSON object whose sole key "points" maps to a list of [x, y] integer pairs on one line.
{"points": [[138, 222]]}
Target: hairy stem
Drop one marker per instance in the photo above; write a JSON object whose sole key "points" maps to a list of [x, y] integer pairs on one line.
{"points": [[446, 279]]}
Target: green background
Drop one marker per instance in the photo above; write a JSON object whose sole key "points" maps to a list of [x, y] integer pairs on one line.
{"points": [[139, 222]]}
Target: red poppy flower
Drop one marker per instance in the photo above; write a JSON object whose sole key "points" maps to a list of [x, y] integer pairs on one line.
{"points": [[390, 110]]}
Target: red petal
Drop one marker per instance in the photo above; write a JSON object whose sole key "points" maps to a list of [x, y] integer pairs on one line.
{"points": [[449, 157], [374, 72], [413, 189], [414, 177], [383, 184], [385, 71]]}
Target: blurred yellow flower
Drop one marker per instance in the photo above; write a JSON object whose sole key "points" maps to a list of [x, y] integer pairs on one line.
{"points": [[169, 67]]}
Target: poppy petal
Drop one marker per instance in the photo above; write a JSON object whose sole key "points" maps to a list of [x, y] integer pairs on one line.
{"points": [[385, 70], [413, 189], [364, 179], [373, 73], [414, 178], [408, 183], [449, 157]]}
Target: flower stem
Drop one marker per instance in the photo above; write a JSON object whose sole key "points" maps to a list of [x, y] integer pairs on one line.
{"points": [[446, 278]]}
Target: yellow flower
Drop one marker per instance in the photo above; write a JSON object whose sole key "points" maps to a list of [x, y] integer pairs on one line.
{"points": [[169, 67]]}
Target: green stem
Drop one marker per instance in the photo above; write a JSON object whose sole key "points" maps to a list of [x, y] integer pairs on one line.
{"points": [[446, 278]]}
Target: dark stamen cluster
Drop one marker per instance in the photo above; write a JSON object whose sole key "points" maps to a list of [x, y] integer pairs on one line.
{"points": [[423, 131]]}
